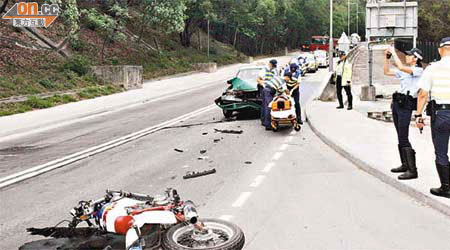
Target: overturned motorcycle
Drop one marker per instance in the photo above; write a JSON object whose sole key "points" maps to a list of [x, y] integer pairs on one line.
{"points": [[131, 221]]}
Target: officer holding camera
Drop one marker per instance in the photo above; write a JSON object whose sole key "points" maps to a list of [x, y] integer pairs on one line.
{"points": [[403, 103], [435, 83]]}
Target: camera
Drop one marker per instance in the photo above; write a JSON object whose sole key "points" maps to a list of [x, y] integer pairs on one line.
{"points": [[389, 55]]}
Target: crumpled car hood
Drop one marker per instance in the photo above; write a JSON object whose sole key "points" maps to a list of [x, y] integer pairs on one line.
{"points": [[239, 84]]}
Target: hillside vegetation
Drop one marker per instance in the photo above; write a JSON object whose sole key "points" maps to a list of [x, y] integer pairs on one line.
{"points": [[166, 37]]}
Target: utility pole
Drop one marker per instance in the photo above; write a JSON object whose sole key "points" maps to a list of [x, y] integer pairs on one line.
{"points": [[357, 17], [348, 17], [208, 37], [331, 42]]}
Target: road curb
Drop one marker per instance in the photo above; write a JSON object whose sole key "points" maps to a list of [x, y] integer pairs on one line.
{"points": [[372, 170]]}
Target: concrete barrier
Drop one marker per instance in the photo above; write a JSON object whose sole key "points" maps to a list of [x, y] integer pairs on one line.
{"points": [[127, 76], [206, 67], [329, 92]]}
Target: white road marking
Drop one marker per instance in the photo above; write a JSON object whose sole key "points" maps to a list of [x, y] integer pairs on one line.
{"points": [[289, 139], [103, 113], [283, 147], [34, 171], [268, 167], [242, 199], [277, 156], [185, 166], [226, 217], [258, 180], [294, 132]]}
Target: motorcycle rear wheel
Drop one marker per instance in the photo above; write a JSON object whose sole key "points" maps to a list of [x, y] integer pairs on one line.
{"points": [[178, 237]]}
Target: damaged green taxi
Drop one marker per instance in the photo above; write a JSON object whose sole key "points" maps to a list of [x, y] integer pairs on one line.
{"points": [[242, 95]]}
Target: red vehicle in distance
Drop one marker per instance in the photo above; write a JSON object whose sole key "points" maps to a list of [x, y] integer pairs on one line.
{"points": [[322, 43]]}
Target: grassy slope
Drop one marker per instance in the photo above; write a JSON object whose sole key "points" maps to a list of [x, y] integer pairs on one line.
{"points": [[29, 72]]}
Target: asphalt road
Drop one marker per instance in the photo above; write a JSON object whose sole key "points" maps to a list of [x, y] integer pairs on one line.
{"points": [[296, 194]]}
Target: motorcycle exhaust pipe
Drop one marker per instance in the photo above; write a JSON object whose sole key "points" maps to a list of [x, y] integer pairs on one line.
{"points": [[190, 212]]}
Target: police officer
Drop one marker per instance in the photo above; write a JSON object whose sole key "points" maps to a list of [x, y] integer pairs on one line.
{"points": [[344, 80], [266, 74], [403, 104], [293, 77], [435, 83], [273, 87]]}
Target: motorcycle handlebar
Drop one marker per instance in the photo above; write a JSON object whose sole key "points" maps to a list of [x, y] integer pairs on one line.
{"points": [[129, 194]]}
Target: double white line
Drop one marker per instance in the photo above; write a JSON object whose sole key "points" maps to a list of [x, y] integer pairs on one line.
{"points": [[34, 171]]}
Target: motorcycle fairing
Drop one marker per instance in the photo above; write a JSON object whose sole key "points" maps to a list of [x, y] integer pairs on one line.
{"points": [[155, 217]]}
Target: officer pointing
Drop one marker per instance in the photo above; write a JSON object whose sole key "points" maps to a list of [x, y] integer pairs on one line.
{"points": [[435, 85]]}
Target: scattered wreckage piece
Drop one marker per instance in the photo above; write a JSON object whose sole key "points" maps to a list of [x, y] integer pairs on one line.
{"points": [[198, 174], [385, 116], [178, 150], [226, 131]]}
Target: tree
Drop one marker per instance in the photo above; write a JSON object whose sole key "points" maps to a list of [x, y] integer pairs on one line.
{"points": [[167, 15], [196, 12], [108, 26]]}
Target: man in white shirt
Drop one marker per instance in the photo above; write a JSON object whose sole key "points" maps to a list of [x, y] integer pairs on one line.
{"points": [[435, 86]]}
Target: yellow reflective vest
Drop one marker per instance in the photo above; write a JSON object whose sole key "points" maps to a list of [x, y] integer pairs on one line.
{"points": [[344, 69]]}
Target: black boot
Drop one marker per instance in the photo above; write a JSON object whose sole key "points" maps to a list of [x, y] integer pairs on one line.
{"points": [[410, 156], [404, 167], [444, 190]]}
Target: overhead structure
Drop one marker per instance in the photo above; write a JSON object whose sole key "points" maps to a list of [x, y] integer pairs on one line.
{"points": [[385, 20], [391, 20]]}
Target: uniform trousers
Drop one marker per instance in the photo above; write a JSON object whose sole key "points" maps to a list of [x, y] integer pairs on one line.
{"points": [[402, 120], [440, 129], [268, 95], [348, 91], [298, 109]]}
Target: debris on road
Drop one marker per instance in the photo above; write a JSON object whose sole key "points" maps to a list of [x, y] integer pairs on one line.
{"points": [[196, 124], [202, 158], [248, 162], [203, 151], [173, 177], [226, 131], [190, 175], [178, 150], [204, 133], [216, 140]]}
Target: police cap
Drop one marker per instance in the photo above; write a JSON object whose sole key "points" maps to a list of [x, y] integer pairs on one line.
{"points": [[415, 52], [273, 62], [445, 42]]}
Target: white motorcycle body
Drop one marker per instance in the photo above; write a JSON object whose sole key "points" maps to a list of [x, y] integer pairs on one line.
{"points": [[114, 218]]}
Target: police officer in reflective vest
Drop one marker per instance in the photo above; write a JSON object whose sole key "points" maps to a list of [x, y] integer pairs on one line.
{"points": [[293, 78], [266, 75], [435, 88], [403, 104], [343, 79], [273, 87]]}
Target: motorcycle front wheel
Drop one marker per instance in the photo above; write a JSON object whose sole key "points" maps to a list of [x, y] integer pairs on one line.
{"points": [[227, 236]]}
